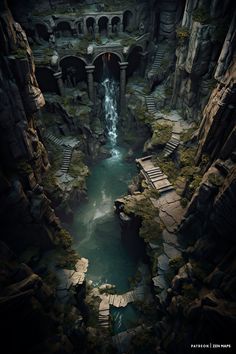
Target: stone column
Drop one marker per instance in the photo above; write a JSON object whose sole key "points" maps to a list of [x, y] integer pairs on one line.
{"points": [[90, 70], [109, 27], [96, 27], [123, 66], [58, 77], [143, 63], [85, 26]]}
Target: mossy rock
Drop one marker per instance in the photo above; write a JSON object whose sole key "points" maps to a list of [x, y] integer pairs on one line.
{"points": [[182, 33], [64, 238], [24, 168], [201, 15], [161, 134], [216, 179]]}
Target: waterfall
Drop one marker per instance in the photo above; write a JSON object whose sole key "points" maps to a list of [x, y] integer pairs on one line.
{"points": [[111, 113]]}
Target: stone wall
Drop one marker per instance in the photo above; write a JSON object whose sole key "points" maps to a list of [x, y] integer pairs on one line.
{"points": [[200, 52], [27, 213]]}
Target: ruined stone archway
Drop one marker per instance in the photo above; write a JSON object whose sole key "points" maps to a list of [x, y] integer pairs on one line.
{"points": [[128, 21], [63, 29], [103, 25], [115, 24], [90, 25], [107, 61], [73, 70]]}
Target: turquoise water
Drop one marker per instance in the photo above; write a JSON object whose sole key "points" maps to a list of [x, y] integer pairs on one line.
{"points": [[96, 227]]}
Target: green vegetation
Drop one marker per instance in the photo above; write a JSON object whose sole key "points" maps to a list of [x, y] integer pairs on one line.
{"points": [[64, 238], [216, 179], [83, 44], [24, 168], [187, 169], [128, 41], [142, 114], [143, 208], [161, 133], [77, 166], [187, 134], [20, 53], [182, 33], [201, 15]]}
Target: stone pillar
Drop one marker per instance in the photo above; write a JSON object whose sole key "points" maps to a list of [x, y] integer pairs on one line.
{"points": [[90, 70], [85, 26], [96, 27], [58, 77], [123, 66], [109, 28], [143, 63]]}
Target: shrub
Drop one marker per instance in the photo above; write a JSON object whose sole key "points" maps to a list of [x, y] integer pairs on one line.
{"points": [[201, 15], [182, 33]]}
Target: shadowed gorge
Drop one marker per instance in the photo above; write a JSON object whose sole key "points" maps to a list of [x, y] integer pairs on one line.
{"points": [[117, 176]]}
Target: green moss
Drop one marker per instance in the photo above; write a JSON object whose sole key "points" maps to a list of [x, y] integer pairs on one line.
{"points": [[64, 238], [187, 134], [67, 258], [77, 166], [201, 15], [20, 53], [216, 179], [24, 168], [161, 133], [143, 208], [127, 42], [168, 167], [182, 33]]}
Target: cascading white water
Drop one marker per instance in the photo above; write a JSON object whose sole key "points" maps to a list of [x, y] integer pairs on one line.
{"points": [[111, 113]]}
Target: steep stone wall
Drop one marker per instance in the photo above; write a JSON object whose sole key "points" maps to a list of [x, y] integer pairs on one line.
{"points": [[26, 211], [201, 54]]}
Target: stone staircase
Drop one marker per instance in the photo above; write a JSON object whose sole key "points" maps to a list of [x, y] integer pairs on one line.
{"points": [[174, 141], [158, 59], [66, 159], [154, 176], [53, 139], [151, 104], [171, 146], [67, 151]]}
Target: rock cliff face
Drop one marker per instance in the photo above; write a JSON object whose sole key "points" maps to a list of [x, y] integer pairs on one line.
{"points": [[202, 292], [203, 46], [32, 315], [23, 156]]}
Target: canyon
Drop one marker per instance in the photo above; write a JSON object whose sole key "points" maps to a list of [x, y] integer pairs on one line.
{"points": [[117, 176]]}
